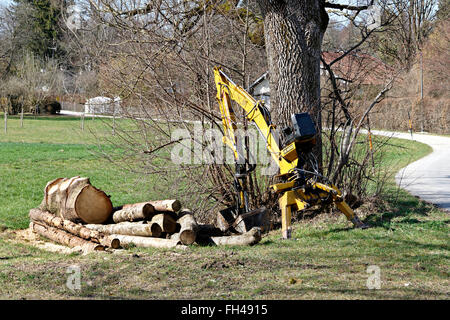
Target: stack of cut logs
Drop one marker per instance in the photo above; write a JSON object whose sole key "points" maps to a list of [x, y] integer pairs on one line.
{"points": [[76, 214]]}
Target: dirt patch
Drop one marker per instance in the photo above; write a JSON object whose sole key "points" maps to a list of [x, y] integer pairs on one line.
{"points": [[215, 264], [28, 237]]}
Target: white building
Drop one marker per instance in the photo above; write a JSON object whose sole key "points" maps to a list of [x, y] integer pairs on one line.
{"points": [[103, 105]]}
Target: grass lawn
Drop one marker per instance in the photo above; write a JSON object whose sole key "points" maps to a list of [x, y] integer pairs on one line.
{"points": [[328, 259]]}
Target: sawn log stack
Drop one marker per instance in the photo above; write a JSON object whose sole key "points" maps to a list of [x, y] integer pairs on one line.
{"points": [[76, 214]]}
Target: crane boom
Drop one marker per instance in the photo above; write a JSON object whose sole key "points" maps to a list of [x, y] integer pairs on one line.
{"points": [[227, 90]]}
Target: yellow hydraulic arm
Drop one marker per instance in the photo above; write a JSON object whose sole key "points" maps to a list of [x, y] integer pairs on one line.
{"points": [[295, 196]]}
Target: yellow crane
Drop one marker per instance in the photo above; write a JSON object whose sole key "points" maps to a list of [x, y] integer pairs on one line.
{"points": [[300, 188]]}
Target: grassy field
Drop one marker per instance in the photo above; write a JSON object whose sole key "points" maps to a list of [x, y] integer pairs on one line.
{"points": [[328, 259]]}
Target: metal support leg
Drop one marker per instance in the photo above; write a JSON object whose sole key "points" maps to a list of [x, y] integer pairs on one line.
{"points": [[286, 215], [351, 216]]}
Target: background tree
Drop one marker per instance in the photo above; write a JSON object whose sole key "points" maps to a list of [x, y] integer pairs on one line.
{"points": [[405, 36], [443, 11], [37, 28]]}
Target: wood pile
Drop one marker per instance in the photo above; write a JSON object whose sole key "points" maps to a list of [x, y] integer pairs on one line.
{"points": [[76, 214]]}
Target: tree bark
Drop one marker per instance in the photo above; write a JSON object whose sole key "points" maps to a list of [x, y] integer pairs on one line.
{"points": [[75, 199], [166, 222], [247, 239], [166, 205], [78, 230], [146, 242], [65, 238], [134, 212], [293, 32], [130, 228]]}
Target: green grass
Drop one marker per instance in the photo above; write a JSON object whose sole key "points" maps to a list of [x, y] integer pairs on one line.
{"points": [[51, 129], [328, 259], [48, 148]]}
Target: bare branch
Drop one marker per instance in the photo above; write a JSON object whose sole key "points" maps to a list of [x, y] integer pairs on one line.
{"points": [[347, 6]]}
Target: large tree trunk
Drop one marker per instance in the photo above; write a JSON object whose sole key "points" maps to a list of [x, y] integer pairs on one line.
{"points": [[75, 199], [65, 238], [293, 33], [130, 228], [76, 229]]}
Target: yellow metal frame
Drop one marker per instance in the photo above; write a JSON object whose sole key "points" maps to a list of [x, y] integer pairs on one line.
{"points": [[291, 199]]}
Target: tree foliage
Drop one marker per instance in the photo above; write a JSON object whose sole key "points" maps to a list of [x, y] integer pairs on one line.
{"points": [[37, 28]]}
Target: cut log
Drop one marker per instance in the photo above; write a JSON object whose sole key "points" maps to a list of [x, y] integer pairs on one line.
{"points": [[166, 235], [79, 230], [50, 190], [175, 236], [247, 239], [64, 237], [134, 212], [227, 220], [166, 222], [166, 205], [130, 228], [75, 199], [147, 242], [188, 230]]}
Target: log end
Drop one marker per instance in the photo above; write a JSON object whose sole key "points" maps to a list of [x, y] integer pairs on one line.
{"points": [[169, 226], [93, 205], [188, 237], [156, 230], [176, 206], [148, 210], [115, 243]]}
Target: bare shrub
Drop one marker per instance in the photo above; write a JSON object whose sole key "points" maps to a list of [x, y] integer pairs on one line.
{"points": [[32, 83]]}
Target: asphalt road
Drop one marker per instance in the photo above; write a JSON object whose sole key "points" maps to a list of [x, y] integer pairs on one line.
{"points": [[429, 177]]}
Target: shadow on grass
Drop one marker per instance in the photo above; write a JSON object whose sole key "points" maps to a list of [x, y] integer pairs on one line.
{"points": [[383, 293], [15, 257], [400, 205]]}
